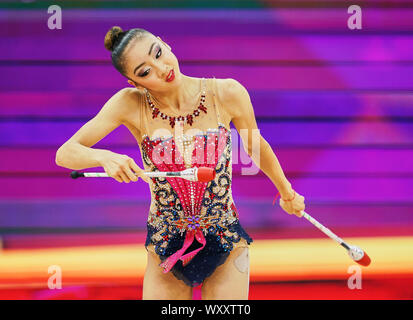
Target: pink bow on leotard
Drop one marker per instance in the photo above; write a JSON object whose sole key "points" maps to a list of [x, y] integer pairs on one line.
{"points": [[179, 255]]}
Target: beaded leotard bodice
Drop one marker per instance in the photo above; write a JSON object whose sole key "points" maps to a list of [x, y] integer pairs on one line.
{"points": [[189, 208]]}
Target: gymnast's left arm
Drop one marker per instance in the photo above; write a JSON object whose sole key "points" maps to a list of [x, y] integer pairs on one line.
{"points": [[239, 107]]}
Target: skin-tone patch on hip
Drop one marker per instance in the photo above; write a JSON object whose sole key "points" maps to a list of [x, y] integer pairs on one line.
{"points": [[242, 261]]}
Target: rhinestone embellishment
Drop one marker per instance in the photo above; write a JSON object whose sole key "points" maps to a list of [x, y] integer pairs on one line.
{"points": [[189, 118]]}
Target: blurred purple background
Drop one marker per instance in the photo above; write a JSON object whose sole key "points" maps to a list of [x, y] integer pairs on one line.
{"points": [[335, 104]]}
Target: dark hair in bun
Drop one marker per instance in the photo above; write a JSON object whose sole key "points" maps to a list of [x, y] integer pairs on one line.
{"points": [[112, 36], [116, 41]]}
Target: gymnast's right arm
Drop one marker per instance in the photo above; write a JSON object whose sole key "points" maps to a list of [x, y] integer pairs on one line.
{"points": [[77, 154]]}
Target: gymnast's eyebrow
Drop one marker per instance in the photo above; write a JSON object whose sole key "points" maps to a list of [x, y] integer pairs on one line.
{"points": [[149, 53]]}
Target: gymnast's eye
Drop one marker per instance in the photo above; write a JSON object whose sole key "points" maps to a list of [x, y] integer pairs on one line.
{"points": [[144, 74], [158, 54]]}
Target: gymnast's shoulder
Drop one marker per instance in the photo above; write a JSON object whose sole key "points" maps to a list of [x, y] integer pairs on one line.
{"points": [[232, 96], [131, 96], [127, 101]]}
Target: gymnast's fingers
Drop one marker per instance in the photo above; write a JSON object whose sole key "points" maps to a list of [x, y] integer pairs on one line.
{"points": [[127, 170], [123, 176], [139, 171], [111, 174]]}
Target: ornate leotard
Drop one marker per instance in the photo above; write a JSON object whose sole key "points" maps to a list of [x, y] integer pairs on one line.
{"points": [[192, 225]]}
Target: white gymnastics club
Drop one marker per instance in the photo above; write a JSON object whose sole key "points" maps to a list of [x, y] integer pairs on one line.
{"points": [[355, 253], [201, 174]]}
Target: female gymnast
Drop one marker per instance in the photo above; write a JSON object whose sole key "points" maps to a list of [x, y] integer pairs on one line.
{"points": [[193, 232]]}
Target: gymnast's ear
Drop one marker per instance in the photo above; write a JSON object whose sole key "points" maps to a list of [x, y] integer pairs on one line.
{"points": [[134, 84], [164, 43]]}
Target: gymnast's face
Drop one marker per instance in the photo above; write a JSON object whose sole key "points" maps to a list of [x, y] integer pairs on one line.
{"points": [[148, 63]]}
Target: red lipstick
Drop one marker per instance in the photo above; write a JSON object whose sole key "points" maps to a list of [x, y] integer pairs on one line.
{"points": [[171, 76]]}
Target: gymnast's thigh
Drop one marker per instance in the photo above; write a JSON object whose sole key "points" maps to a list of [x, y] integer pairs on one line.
{"points": [[231, 279], [162, 286]]}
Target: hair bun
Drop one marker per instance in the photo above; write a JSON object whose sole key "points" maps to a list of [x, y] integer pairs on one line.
{"points": [[112, 36]]}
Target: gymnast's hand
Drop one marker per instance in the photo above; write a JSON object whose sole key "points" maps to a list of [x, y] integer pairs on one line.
{"points": [[121, 167], [295, 206]]}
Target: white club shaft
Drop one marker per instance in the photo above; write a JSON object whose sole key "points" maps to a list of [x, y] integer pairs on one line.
{"points": [[327, 231]]}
